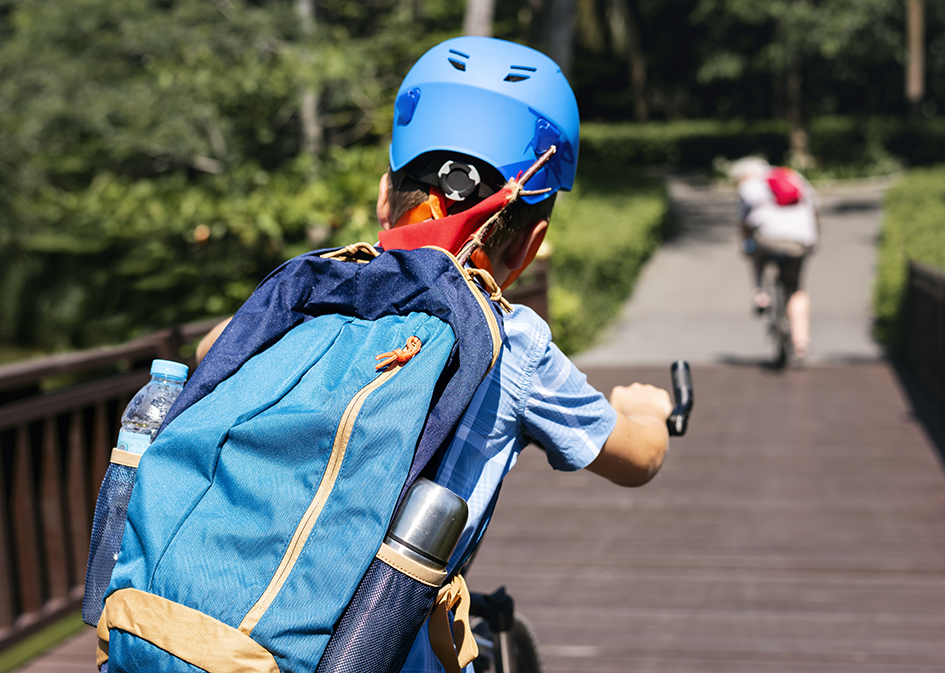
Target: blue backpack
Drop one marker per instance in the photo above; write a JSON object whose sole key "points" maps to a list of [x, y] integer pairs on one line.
{"points": [[254, 528]]}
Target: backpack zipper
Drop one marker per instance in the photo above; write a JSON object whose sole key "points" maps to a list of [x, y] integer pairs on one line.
{"points": [[304, 529]]}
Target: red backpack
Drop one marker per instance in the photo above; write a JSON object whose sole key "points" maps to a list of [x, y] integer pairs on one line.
{"points": [[785, 185]]}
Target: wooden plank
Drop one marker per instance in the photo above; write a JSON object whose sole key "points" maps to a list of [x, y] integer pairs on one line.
{"points": [[7, 590], [160, 344], [99, 451], [65, 401], [52, 512], [25, 528], [77, 494]]}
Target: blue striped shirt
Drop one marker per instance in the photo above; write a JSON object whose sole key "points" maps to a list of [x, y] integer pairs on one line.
{"points": [[534, 393]]}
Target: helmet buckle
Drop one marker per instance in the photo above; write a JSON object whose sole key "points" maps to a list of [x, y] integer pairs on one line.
{"points": [[458, 180]]}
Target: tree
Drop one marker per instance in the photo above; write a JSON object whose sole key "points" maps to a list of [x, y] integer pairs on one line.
{"points": [[799, 31], [623, 30], [478, 17], [915, 68], [560, 33]]}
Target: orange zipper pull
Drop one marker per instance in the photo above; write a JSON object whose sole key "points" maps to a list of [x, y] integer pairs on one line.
{"points": [[399, 355]]}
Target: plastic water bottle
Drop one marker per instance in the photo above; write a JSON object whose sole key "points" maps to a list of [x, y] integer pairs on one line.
{"points": [[139, 424], [146, 411]]}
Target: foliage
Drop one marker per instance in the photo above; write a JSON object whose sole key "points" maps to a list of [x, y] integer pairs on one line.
{"points": [[843, 146], [601, 234], [151, 169], [913, 229], [792, 30], [150, 164], [142, 254], [727, 58]]}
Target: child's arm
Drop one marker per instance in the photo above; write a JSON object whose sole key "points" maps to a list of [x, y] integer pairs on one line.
{"points": [[633, 453], [210, 337]]}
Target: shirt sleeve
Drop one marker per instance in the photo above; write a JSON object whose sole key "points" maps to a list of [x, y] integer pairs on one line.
{"points": [[565, 414]]}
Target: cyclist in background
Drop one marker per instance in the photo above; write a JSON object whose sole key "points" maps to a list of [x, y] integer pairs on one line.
{"points": [[778, 212]]}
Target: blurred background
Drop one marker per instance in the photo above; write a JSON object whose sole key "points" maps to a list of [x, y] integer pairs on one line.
{"points": [[159, 158]]}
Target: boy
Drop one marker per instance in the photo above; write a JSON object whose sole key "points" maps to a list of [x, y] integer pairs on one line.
{"points": [[472, 113]]}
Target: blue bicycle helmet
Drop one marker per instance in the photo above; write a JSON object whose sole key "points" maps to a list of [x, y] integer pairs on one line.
{"points": [[493, 100]]}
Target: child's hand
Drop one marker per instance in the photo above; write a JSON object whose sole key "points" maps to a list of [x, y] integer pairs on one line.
{"points": [[641, 398]]}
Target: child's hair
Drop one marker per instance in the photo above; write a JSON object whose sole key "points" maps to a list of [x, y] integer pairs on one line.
{"points": [[406, 193]]}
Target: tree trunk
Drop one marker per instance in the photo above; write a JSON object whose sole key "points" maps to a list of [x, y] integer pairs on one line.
{"points": [[915, 66], [637, 69], [561, 33], [311, 126], [478, 17], [799, 157]]}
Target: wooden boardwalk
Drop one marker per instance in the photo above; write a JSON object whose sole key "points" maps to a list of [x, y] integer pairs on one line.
{"points": [[799, 527]]}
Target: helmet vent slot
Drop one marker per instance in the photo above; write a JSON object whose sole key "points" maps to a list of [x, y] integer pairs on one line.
{"points": [[526, 68], [459, 65], [512, 77]]}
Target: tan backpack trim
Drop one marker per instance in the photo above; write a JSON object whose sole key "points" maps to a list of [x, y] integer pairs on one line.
{"points": [[127, 458], [410, 568], [187, 634]]}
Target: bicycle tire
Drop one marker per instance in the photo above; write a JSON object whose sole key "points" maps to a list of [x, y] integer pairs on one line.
{"points": [[779, 327], [527, 653]]}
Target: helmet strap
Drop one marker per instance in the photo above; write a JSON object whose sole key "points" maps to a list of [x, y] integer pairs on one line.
{"points": [[433, 208]]}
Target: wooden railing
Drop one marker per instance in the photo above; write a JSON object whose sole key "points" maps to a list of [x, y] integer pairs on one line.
{"points": [[54, 448], [924, 329], [53, 454]]}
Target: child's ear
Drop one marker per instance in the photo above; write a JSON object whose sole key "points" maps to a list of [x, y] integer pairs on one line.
{"points": [[383, 203], [523, 246]]}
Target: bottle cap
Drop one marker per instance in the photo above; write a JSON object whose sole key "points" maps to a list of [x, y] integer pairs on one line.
{"points": [[169, 369]]}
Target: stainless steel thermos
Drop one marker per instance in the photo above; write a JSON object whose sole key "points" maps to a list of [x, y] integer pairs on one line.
{"points": [[394, 599], [428, 524]]}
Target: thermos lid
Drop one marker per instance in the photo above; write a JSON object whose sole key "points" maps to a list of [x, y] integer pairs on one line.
{"points": [[430, 521]]}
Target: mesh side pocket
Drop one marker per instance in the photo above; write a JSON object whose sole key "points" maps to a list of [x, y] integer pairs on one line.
{"points": [[108, 526], [380, 623]]}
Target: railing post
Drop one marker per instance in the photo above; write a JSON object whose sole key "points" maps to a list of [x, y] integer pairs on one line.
{"points": [[77, 493], [25, 527], [7, 584], [51, 509]]}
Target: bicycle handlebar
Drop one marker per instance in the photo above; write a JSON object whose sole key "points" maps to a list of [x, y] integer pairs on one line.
{"points": [[682, 395]]}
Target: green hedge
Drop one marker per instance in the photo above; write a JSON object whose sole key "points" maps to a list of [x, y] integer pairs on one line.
{"points": [[601, 233], [686, 144], [843, 146], [913, 228]]}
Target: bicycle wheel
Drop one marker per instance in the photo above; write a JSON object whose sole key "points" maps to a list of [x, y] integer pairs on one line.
{"points": [[775, 316], [524, 647]]}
